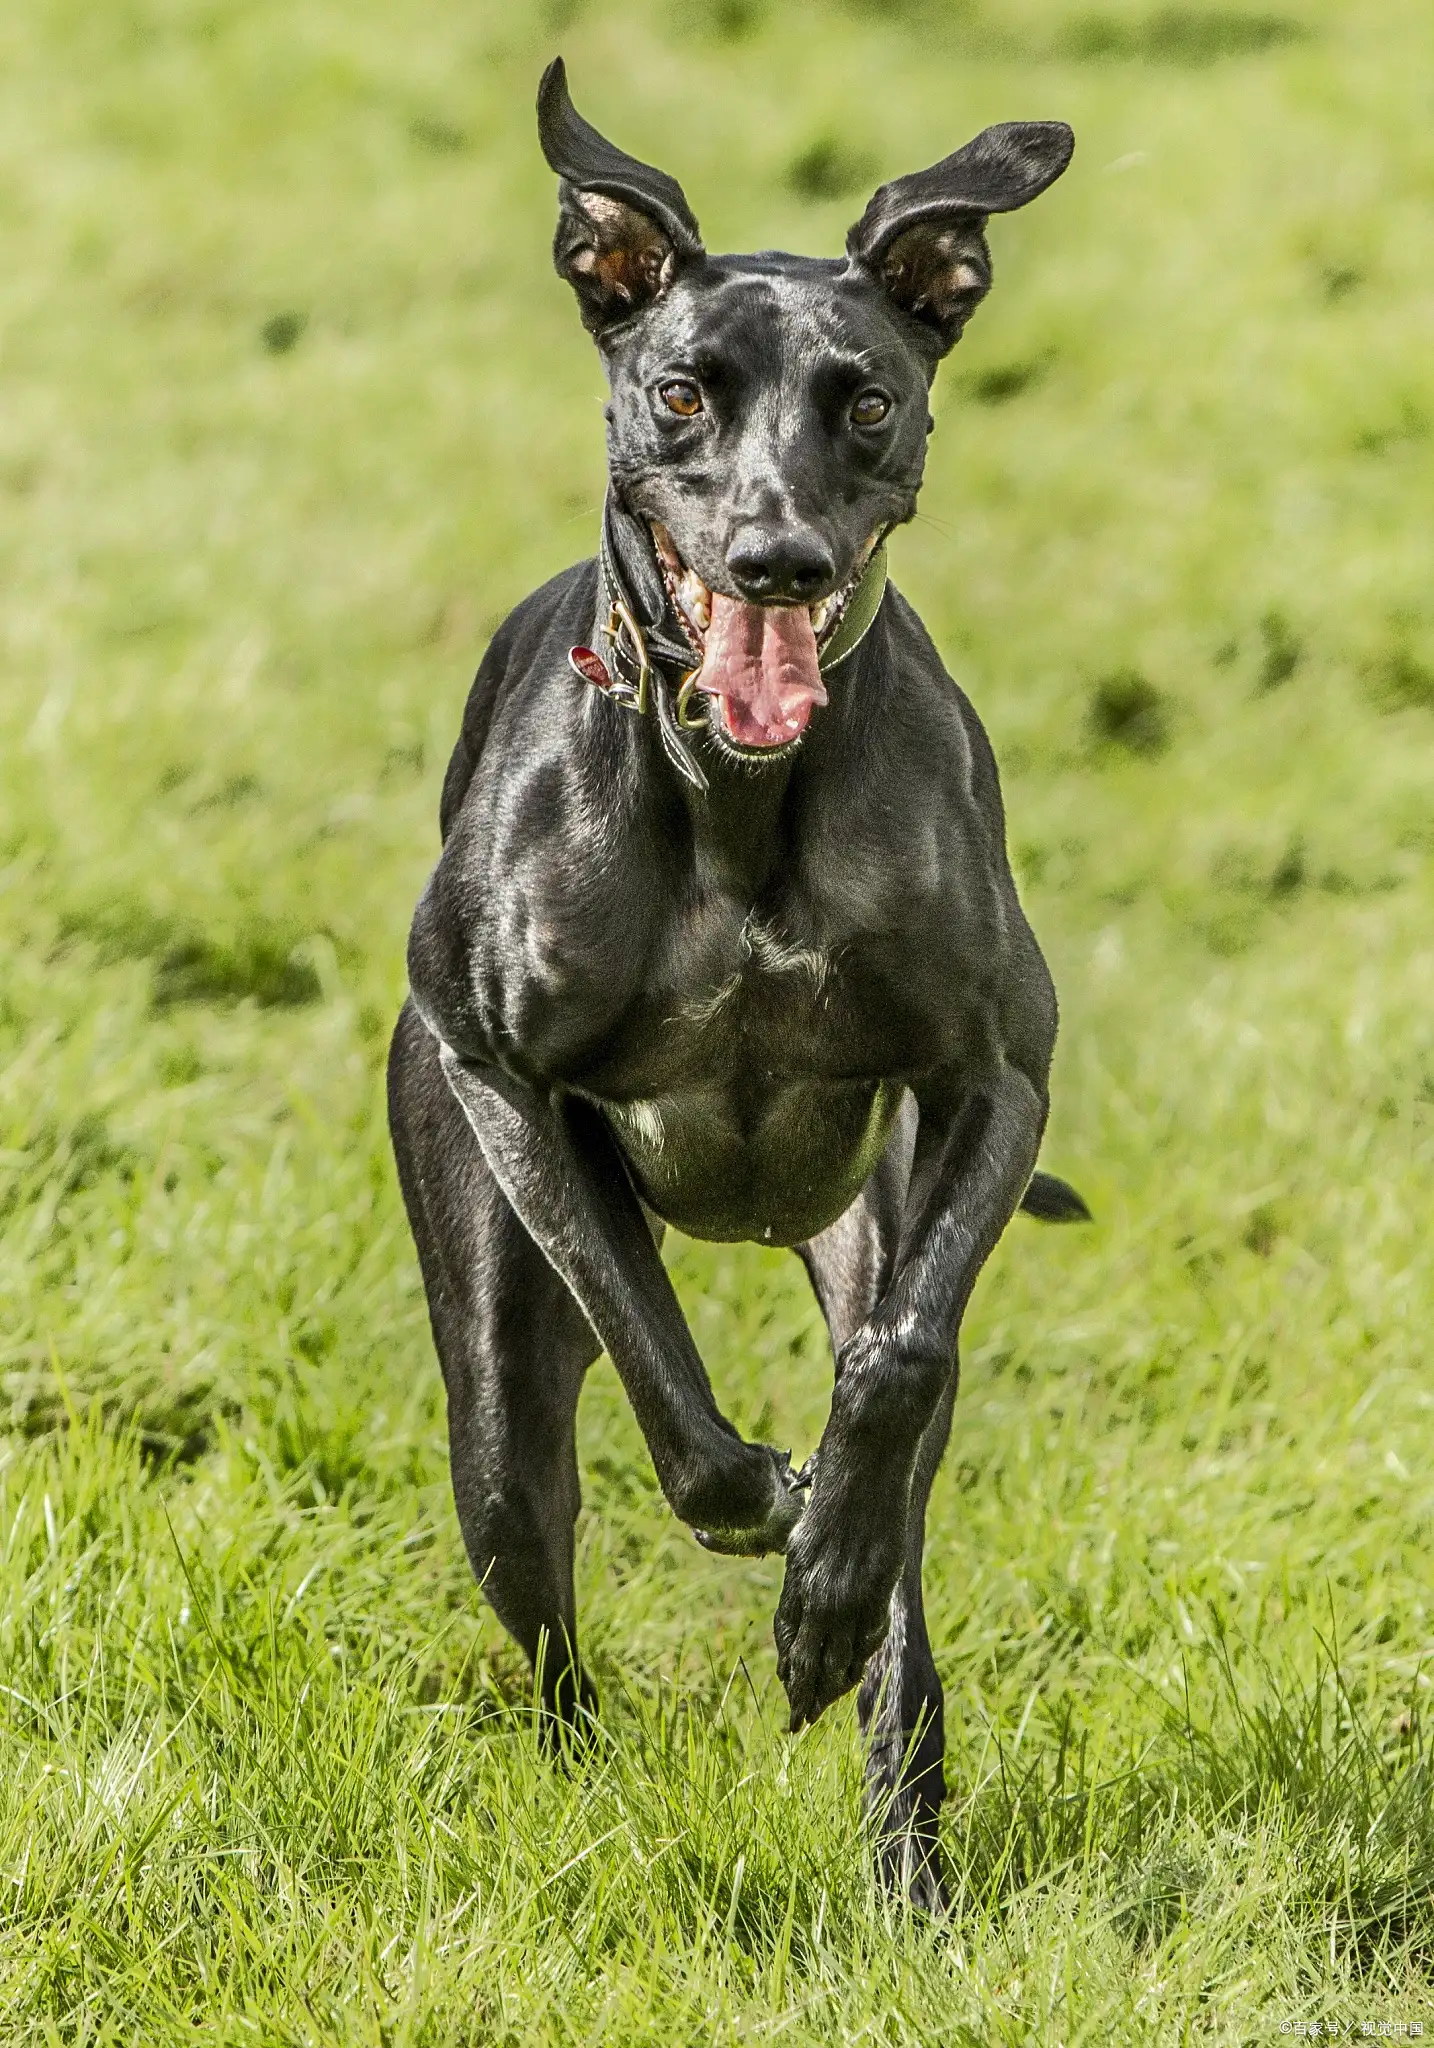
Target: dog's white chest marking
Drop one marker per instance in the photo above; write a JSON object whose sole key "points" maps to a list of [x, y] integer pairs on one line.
{"points": [[644, 1120], [764, 950], [771, 952]]}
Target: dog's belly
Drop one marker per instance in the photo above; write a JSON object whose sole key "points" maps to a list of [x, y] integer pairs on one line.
{"points": [[777, 1172]]}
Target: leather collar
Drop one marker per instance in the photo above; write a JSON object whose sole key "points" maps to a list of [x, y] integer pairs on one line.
{"points": [[648, 651]]}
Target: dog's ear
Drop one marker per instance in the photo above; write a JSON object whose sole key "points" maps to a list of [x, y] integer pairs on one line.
{"points": [[624, 229], [923, 237]]}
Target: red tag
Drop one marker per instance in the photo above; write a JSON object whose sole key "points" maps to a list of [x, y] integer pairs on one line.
{"points": [[591, 667]]}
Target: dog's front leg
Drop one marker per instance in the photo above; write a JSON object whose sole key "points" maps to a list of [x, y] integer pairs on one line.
{"points": [[555, 1160], [974, 1155]]}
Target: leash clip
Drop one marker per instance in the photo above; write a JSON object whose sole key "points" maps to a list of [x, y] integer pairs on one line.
{"points": [[689, 720], [620, 623]]}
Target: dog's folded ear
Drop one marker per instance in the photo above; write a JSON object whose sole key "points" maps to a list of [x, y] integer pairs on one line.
{"points": [[923, 237], [624, 229]]}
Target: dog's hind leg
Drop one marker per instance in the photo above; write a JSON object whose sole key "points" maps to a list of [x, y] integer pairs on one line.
{"points": [[514, 1347], [900, 1708], [900, 1703]]}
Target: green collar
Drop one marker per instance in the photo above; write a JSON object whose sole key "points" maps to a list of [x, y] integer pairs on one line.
{"points": [[860, 614]]}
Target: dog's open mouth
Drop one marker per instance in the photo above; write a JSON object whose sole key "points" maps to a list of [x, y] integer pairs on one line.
{"points": [[760, 661]]}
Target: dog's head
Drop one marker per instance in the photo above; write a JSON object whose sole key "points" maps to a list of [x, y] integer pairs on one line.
{"points": [[769, 413]]}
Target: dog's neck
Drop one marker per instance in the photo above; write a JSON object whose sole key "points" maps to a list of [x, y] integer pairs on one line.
{"points": [[741, 825], [736, 819], [739, 821]]}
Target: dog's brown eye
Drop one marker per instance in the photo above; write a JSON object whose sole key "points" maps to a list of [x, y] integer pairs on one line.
{"points": [[682, 398], [869, 408]]}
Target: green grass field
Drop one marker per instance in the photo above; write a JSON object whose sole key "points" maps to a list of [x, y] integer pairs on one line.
{"points": [[292, 410]]}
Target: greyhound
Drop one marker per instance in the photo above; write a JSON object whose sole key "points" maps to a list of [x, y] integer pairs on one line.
{"points": [[723, 936]]}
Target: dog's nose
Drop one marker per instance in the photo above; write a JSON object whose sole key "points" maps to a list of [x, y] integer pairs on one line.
{"points": [[769, 563]]}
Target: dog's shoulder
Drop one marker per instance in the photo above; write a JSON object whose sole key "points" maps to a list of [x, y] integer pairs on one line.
{"points": [[938, 703], [562, 609]]}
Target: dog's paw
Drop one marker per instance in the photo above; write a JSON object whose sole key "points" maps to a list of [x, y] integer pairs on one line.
{"points": [[835, 1607], [789, 1498]]}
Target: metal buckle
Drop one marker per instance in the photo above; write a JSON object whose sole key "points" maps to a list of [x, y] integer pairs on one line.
{"points": [[621, 621], [688, 722]]}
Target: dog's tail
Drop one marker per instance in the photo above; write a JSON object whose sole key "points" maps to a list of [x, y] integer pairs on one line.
{"points": [[1054, 1201]]}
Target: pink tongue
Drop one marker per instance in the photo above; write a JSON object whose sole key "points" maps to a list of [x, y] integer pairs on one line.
{"points": [[762, 662]]}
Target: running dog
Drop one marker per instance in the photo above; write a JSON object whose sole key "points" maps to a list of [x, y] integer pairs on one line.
{"points": [[723, 936]]}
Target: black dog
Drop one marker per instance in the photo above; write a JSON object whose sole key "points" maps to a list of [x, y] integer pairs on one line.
{"points": [[749, 962]]}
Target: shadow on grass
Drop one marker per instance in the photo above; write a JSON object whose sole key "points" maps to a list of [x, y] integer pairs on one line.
{"points": [[1179, 35], [260, 959]]}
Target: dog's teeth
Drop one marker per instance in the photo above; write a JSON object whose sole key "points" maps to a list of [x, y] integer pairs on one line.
{"points": [[820, 614], [696, 599]]}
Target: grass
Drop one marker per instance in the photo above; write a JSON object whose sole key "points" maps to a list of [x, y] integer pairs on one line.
{"points": [[295, 411]]}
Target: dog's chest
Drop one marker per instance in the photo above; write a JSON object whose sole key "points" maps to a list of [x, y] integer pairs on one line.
{"points": [[750, 970], [762, 991], [808, 980], [752, 1090]]}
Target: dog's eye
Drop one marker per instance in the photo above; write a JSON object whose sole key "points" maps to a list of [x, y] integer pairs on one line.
{"points": [[681, 397], [869, 408]]}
